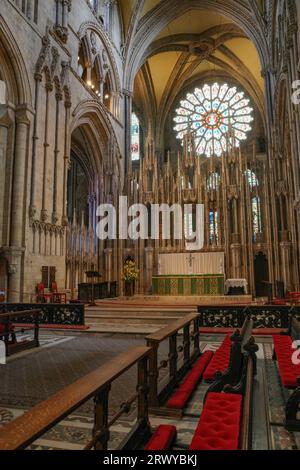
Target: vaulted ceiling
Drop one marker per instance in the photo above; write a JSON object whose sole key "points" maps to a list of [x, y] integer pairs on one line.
{"points": [[196, 46]]}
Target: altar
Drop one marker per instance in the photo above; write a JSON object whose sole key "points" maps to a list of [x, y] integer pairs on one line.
{"points": [[189, 285], [190, 274]]}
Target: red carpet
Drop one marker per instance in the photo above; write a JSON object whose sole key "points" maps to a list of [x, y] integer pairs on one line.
{"points": [[228, 331]]}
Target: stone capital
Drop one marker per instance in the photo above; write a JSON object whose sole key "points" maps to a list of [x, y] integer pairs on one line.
{"points": [[13, 256], [23, 114]]}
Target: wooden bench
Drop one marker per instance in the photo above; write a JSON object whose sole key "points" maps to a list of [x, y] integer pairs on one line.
{"points": [[226, 419], [162, 439], [182, 395], [230, 351], [184, 351], [8, 330], [284, 352]]}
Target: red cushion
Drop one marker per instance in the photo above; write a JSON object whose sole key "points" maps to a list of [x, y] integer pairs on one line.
{"points": [[220, 362], [180, 398], [294, 295], [162, 439], [2, 327], [219, 425], [288, 371]]}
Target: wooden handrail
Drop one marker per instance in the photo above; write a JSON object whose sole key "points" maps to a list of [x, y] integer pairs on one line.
{"points": [[170, 330], [19, 314], [176, 373], [26, 429], [295, 326], [246, 425]]}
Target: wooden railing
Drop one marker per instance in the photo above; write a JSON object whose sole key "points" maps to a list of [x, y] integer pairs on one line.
{"points": [[263, 316], [50, 314], [26, 429], [11, 319], [176, 373]]}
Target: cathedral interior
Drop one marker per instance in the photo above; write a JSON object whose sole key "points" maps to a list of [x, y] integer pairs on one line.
{"points": [[150, 225]]}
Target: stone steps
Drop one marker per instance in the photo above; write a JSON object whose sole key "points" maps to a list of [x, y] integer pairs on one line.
{"points": [[142, 329], [137, 313], [129, 319], [132, 320]]}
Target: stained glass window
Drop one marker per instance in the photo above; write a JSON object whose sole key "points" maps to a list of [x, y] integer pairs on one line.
{"points": [[252, 179], [209, 113], [256, 217], [213, 181], [135, 138], [213, 226]]}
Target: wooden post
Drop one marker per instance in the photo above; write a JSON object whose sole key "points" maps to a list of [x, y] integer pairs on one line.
{"points": [[6, 334], [153, 374], [142, 388], [101, 418], [173, 356], [197, 336], [36, 329], [186, 346]]}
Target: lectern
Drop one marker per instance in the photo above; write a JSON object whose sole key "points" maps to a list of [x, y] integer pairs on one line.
{"points": [[92, 275]]}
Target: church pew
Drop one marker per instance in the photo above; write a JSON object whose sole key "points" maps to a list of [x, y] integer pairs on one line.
{"points": [[221, 359], [208, 366], [289, 371], [163, 439], [8, 329], [182, 395], [181, 358], [226, 419]]}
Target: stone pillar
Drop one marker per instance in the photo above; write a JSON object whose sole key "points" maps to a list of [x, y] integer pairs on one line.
{"points": [[67, 165], [149, 263], [108, 264], [15, 251], [59, 98], [13, 257], [286, 260], [236, 254], [128, 112]]}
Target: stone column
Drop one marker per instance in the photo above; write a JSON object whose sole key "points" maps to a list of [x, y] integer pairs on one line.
{"points": [[108, 264], [286, 260], [44, 213], [15, 251], [59, 98], [67, 164], [236, 254], [13, 257], [128, 112], [149, 263]]}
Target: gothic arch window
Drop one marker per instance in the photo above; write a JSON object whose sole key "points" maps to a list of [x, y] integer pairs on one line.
{"points": [[135, 138], [95, 69], [256, 217], [213, 181], [252, 179], [209, 113], [213, 227]]}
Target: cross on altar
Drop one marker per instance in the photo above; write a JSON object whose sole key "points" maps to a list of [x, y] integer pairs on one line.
{"points": [[190, 259]]}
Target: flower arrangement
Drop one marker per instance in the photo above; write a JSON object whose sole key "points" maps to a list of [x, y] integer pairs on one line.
{"points": [[130, 271]]}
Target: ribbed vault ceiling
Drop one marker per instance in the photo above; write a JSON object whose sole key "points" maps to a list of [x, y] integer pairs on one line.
{"points": [[198, 44]]}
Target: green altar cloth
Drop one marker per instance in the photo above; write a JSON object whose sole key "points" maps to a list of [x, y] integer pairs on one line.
{"points": [[194, 285]]}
